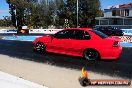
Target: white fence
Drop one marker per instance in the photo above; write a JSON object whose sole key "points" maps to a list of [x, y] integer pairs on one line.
{"points": [[32, 31], [52, 31], [8, 31], [44, 31]]}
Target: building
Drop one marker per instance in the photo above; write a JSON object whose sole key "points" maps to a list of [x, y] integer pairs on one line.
{"points": [[119, 16]]}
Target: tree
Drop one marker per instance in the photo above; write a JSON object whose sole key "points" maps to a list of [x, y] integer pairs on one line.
{"points": [[12, 12], [51, 13], [72, 12], [43, 14], [54, 12], [88, 10], [17, 11], [60, 12], [6, 22], [35, 15]]}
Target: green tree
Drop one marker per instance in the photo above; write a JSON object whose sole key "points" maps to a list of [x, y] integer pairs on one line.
{"points": [[6, 22], [18, 10], [88, 10], [35, 15], [60, 13], [43, 14], [12, 12], [53, 12]]}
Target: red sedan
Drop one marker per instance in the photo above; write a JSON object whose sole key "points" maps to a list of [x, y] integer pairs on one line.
{"points": [[82, 42]]}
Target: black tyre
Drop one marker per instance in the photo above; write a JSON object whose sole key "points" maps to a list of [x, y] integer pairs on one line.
{"points": [[40, 47], [84, 81], [91, 54]]}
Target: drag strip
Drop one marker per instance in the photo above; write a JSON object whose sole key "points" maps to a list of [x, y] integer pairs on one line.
{"points": [[24, 50]]}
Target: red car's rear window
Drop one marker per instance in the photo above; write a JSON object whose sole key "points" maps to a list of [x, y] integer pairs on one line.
{"points": [[100, 34]]}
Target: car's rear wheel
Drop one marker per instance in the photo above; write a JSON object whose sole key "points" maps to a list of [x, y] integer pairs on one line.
{"points": [[91, 54], [40, 47]]}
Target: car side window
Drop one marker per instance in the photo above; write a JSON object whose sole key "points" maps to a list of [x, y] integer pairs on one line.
{"points": [[81, 35], [65, 34], [87, 36], [60, 34]]}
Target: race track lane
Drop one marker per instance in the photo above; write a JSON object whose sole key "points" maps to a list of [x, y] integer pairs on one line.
{"points": [[24, 50]]}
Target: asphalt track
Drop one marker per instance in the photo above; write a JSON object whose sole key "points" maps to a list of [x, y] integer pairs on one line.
{"points": [[24, 50]]}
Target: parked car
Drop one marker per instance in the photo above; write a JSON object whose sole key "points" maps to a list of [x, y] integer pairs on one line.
{"points": [[110, 31], [82, 42]]}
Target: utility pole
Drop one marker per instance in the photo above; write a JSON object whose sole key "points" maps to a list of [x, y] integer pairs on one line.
{"points": [[77, 13]]}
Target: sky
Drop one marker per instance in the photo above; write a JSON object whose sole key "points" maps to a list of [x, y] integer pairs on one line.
{"points": [[4, 7]]}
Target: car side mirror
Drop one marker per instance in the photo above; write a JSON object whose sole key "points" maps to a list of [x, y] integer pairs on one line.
{"points": [[51, 36]]}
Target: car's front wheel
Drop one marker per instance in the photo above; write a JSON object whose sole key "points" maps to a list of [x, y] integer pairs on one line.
{"points": [[91, 54], [40, 47]]}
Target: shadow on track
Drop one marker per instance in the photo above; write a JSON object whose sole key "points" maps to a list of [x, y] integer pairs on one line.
{"points": [[24, 50]]}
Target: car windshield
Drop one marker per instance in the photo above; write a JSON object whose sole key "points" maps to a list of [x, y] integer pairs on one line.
{"points": [[102, 35]]}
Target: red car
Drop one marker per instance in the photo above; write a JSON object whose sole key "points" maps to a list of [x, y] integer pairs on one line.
{"points": [[82, 42]]}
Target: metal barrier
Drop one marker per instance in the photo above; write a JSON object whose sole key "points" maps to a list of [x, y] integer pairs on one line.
{"points": [[124, 38]]}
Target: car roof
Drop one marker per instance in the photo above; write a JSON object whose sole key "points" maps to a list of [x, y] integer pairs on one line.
{"points": [[78, 28]]}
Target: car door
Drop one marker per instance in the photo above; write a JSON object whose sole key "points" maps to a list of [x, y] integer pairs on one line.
{"points": [[77, 42], [59, 42]]}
